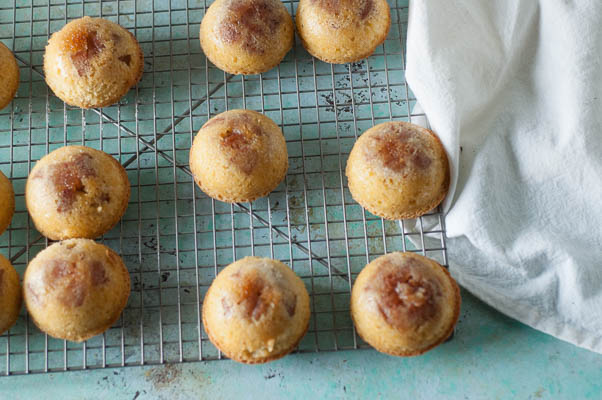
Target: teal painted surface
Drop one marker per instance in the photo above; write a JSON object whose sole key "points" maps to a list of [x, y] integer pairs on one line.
{"points": [[490, 357]]}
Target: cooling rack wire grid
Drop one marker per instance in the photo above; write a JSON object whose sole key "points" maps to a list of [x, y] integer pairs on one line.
{"points": [[173, 238]]}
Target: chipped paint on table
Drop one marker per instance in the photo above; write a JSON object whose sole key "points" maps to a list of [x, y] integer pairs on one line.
{"points": [[491, 357]]}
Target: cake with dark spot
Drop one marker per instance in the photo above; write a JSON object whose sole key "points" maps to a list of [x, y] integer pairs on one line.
{"points": [[404, 304], [404, 298], [76, 191], [92, 62], [246, 36], [10, 295], [64, 276], [68, 177], [337, 7], [73, 294], [252, 23], [395, 150], [127, 59], [256, 310], [239, 156], [76, 289], [342, 31], [98, 273], [366, 8], [239, 141], [398, 170], [85, 47], [58, 271], [256, 296]]}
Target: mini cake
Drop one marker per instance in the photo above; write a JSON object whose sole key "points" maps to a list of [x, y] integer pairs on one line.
{"points": [[10, 295], [246, 36], [239, 156], [9, 79], [76, 289], [256, 310], [7, 202], [92, 62], [398, 170], [76, 192], [342, 31], [404, 304]]}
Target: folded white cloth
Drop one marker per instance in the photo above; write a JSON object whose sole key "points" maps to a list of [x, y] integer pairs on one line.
{"points": [[514, 90]]}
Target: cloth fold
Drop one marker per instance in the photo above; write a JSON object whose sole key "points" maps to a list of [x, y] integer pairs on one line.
{"points": [[514, 90]]}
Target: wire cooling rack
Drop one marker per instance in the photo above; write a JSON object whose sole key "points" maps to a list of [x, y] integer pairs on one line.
{"points": [[173, 238]]}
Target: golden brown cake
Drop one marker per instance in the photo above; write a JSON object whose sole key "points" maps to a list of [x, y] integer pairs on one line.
{"points": [[92, 62], [76, 192], [10, 295], [398, 170], [7, 202], [404, 304], [256, 310], [76, 289], [239, 156], [246, 36], [342, 31], [9, 78]]}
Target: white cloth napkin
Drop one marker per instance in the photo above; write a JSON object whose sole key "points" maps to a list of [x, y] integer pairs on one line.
{"points": [[514, 90]]}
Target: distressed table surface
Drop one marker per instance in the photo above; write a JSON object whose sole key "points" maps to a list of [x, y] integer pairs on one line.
{"points": [[491, 357]]}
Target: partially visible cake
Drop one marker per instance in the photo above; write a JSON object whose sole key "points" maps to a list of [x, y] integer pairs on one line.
{"points": [[10, 295], [7, 202], [9, 78]]}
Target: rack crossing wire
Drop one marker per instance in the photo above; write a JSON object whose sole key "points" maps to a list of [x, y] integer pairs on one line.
{"points": [[173, 238]]}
